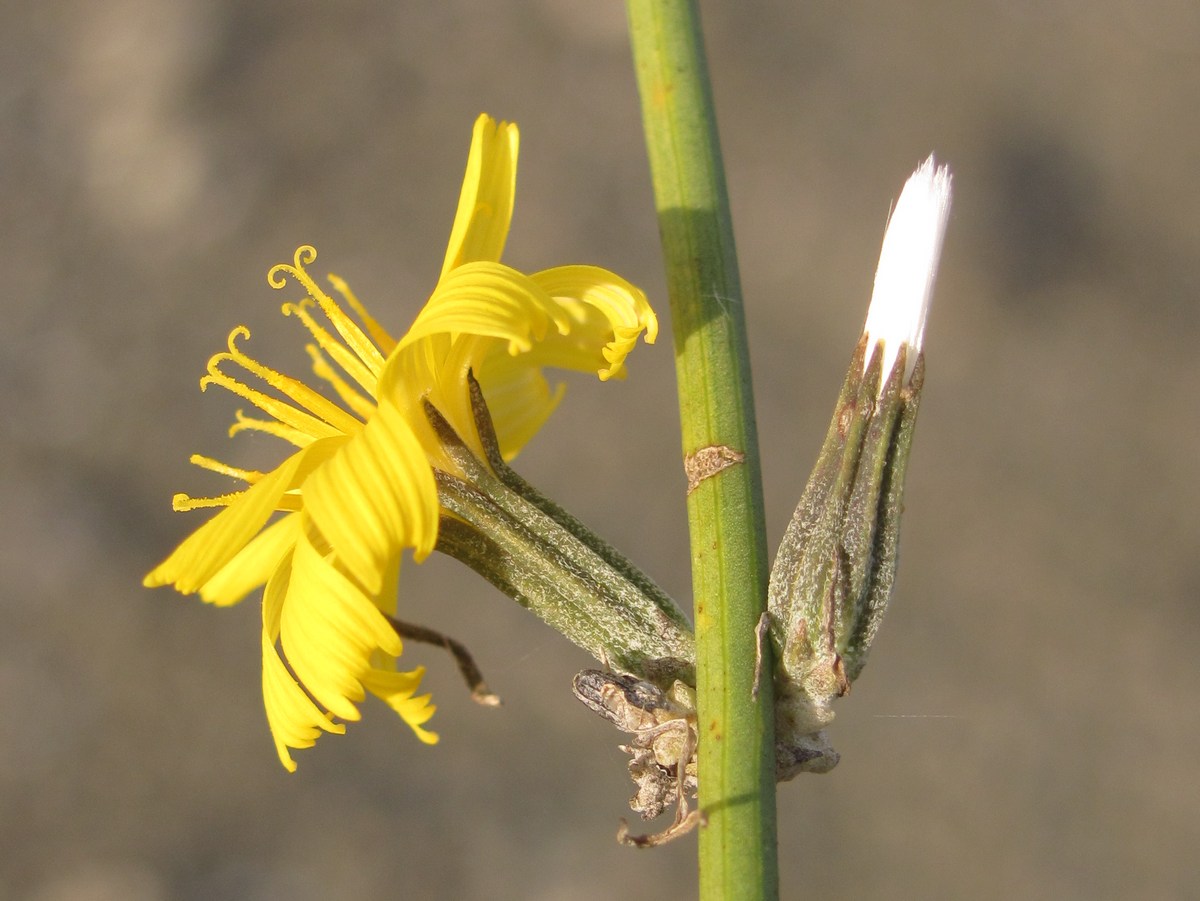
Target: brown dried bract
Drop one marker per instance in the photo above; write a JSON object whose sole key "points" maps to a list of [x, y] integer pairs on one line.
{"points": [[662, 753]]}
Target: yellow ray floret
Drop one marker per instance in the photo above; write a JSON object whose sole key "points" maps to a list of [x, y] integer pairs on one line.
{"points": [[322, 533]]}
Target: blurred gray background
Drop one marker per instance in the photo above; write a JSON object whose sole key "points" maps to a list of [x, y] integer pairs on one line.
{"points": [[1029, 725]]}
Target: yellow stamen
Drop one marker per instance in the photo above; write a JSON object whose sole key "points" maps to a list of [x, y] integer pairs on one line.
{"points": [[351, 333], [289, 502], [246, 475], [353, 366], [378, 333], [183, 502], [271, 427], [363, 407], [327, 418]]}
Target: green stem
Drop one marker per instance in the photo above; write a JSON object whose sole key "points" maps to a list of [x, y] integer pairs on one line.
{"points": [[729, 560]]}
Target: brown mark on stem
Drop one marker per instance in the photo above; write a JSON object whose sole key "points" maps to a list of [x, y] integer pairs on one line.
{"points": [[707, 462]]}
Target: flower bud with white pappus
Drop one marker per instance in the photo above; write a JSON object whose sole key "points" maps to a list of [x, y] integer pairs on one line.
{"points": [[833, 574]]}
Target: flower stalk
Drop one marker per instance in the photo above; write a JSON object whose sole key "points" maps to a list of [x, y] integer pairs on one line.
{"points": [[737, 844], [834, 570], [544, 559]]}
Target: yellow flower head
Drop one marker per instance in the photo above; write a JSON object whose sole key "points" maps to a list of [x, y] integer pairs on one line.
{"points": [[360, 487]]}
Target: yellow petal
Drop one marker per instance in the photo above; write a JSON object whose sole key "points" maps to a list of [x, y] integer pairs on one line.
{"points": [[599, 315], [203, 553], [488, 300], [607, 314], [433, 369], [388, 596], [375, 497], [295, 721], [329, 630], [477, 310], [485, 204], [519, 398], [253, 564], [387, 601], [397, 690]]}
